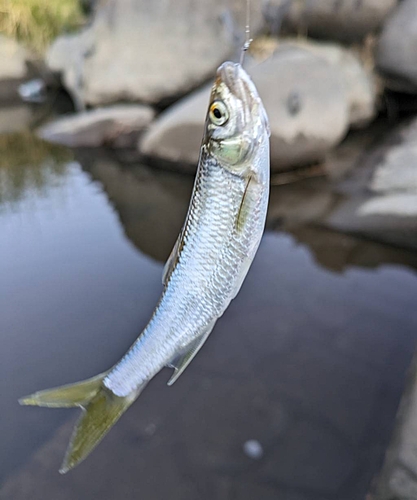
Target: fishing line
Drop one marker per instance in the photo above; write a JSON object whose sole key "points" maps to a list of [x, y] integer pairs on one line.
{"points": [[248, 40]]}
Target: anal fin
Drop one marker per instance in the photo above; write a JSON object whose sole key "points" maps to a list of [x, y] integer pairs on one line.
{"points": [[181, 362]]}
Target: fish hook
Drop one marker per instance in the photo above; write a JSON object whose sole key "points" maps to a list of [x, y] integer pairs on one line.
{"points": [[248, 40]]}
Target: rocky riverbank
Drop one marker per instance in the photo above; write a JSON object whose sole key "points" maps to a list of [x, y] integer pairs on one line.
{"points": [[339, 82]]}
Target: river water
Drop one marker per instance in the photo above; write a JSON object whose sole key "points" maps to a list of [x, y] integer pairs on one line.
{"points": [[309, 361]]}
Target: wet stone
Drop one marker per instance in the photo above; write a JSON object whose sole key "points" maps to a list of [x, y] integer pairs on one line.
{"points": [[155, 51], [253, 449], [291, 103], [117, 126]]}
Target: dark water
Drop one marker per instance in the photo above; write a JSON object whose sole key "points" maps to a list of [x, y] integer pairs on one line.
{"points": [[310, 359]]}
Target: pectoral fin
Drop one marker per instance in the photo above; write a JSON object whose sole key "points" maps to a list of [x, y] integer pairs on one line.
{"points": [[172, 260], [181, 362], [243, 209]]}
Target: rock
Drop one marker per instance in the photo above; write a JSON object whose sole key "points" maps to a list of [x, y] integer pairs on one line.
{"points": [[176, 134], [308, 116], [116, 125], [396, 54], [344, 20], [347, 156], [391, 167], [66, 56], [253, 449], [359, 81], [138, 50], [303, 133], [383, 201], [33, 91]]}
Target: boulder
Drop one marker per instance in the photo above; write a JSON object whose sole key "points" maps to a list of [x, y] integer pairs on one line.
{"points": [[382, 202], [359, 80], [307, 116], [138, 50], [344, 20], [175, 136], [396, 54], [113, 126]]}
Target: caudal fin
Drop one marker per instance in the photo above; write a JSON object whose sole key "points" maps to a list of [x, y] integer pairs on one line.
{"points": [[101, 410]]}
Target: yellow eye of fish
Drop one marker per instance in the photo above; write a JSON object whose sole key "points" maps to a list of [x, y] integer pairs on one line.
{"points": [[218, 113]]}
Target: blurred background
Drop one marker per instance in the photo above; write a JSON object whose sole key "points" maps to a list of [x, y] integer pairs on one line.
{"points": [[307, 388]]}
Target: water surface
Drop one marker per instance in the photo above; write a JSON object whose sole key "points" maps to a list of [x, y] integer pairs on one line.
{"points": [[310, 359]]}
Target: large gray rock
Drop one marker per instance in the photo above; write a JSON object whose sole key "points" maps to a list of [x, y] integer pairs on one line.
{"points": [[396, 54], [359, 80], [112, 126], [176, 134], [382, 201], [345, 20], [306, 101], [137, 50]]}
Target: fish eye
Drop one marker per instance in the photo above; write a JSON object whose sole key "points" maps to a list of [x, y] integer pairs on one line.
{"points": [[218, 113]]}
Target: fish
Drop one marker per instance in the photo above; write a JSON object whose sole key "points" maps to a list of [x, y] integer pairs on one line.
{"points": [[205, 270]]}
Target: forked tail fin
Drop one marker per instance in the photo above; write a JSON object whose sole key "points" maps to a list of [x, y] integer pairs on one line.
{"points": [[101, 410]]}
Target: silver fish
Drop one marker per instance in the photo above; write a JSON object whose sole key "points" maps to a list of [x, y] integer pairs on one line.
{"points": [[206, 268]]}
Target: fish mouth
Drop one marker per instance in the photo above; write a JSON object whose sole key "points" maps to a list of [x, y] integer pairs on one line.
{"points": [[238, 82]]}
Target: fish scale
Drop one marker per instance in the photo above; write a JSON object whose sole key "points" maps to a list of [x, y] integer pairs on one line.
{"points": [[205, 271], [199, 284]]}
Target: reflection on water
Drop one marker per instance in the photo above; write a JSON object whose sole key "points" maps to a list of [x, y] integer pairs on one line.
{"points": [[152, 204], [28, 166], [308, 360]]}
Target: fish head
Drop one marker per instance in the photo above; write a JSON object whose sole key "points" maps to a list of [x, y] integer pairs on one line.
{"points": [[236, 122]]}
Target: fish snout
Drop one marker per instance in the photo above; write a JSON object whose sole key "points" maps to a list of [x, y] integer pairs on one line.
{"points": [[238, 82]]}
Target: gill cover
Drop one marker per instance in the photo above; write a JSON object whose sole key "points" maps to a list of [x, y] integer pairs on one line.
{"points": [[235, 119], [232, 151]]}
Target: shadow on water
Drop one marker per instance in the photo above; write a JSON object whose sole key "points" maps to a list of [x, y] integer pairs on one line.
{"points": [[310, 359]]}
